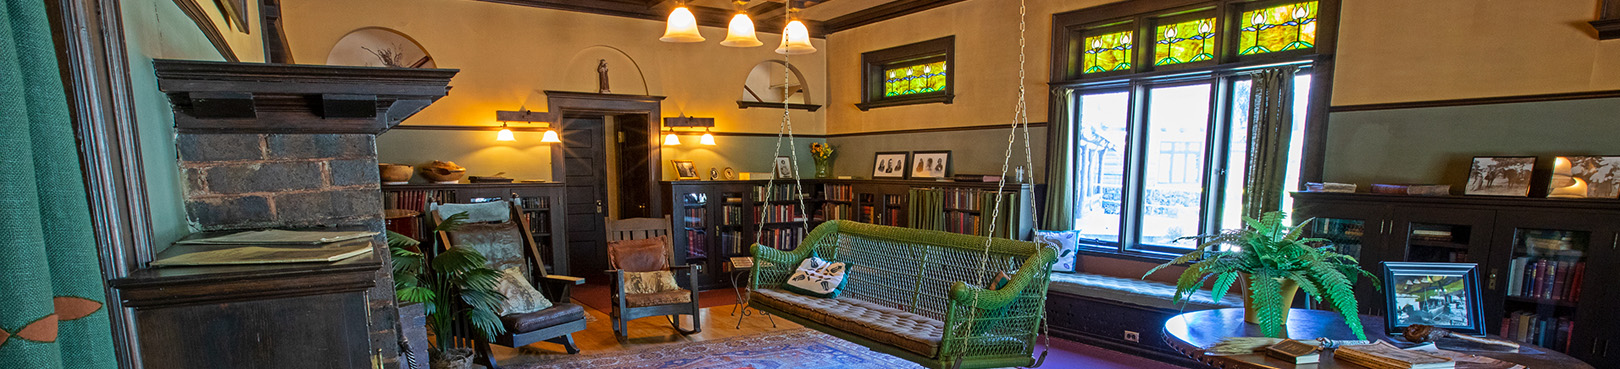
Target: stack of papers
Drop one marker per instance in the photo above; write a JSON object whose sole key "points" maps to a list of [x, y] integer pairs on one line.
{"points": [[272, 246]]}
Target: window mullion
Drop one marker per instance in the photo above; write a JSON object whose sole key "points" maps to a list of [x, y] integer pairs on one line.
{"points": [[1136, 172], [1215, 150]]}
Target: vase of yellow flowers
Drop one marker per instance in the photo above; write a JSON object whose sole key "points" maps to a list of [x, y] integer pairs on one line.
{"points": [[823, 154]]}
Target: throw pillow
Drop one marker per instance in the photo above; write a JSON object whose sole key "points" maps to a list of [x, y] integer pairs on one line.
{"points": [[1067, 245], [819, 278], [1001, 281], [649, 282], [640, 255], [521, 297]]}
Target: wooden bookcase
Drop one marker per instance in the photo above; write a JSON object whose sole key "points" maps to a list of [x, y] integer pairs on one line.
{"points": [[717, 220], [543, 206], [1543, 262]]}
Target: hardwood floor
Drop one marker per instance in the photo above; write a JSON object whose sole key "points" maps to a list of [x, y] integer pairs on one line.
{"points": [[718, 322]]}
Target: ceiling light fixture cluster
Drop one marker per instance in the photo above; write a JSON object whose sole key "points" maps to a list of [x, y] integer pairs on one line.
{"points": [[682, 27]]}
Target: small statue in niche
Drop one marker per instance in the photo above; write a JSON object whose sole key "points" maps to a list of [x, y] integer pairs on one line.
{"points": [[602, 76]]}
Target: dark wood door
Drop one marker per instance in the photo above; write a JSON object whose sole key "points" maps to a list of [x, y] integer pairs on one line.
{"points": [[585, 176]]}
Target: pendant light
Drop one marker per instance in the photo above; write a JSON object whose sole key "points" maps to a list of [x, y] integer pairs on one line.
{"points": [[707, 139], [795, 37], [504, 134], [741, 31], [682, 26], [671, 140]]}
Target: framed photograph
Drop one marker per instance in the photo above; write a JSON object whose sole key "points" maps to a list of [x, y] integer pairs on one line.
{"points": [[784, 167], [890, 164], [1444, 295], [1500, 176], [931, 164], [684, 169], [1601, 173]]}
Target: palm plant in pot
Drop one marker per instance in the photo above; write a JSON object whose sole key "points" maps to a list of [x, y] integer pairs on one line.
{"points": [[455, 283], [1274, 261]]}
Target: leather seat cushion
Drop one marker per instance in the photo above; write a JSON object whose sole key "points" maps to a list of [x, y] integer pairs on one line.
{"points": [[545, 318], [908, 331], [680, 296], [642, 255], [1136, 292]]}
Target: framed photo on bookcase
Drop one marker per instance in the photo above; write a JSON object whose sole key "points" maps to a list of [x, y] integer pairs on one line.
{"points": [[891, 164], [1443, 295]]}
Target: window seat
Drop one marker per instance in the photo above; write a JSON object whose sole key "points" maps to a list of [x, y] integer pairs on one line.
{"points": [[1102, 311]]}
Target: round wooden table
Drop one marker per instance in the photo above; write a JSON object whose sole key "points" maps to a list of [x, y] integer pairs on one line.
{"points": [[1191, 332]]}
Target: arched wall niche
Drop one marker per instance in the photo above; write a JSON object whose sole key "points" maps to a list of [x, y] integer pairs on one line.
{"points": [[370, 46], [764, 87], [624, 73]]}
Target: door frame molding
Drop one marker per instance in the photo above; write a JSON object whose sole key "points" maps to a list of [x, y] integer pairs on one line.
{"points": [[564, 103]]}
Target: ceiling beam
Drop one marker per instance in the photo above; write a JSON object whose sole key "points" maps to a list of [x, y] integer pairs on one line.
{"points": [[891, 10]]}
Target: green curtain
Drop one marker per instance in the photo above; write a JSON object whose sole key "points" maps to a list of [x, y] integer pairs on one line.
{"points": [[1060, 176], [52, 311], [927, 209], [1011, 214], [1270, 123]]}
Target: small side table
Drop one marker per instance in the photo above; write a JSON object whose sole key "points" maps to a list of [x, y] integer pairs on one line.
{"points": [[1191, 332], [741, 266]]}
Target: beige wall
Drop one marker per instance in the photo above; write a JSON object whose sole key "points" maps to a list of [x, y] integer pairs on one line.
{"points": [[986, 65], [509, 54], [1403, 50]]}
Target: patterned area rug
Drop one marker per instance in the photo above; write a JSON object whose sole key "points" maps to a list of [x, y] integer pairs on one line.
{"points": [[792, 348]]}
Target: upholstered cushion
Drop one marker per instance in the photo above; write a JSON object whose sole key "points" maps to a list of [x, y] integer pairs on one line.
{"points": [[1001, 281], [1135, 291], [817, 277], [545, 318], [643, 255], [500, 243], [521, 297], [649, 282], [493, 211], [1067, 245], [911, 332], [678, 296]]}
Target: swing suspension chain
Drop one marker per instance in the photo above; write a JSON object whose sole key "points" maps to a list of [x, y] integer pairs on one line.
{"points": [[785, 127], [1020, 123]]}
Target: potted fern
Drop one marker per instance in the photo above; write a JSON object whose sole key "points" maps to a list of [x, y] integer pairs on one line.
{"points": [[1274, 261], [455, 283]]}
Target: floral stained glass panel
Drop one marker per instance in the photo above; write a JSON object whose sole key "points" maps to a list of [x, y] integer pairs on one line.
{"points": [[1108, 52], [1278, 28], [914, 79], [1185, 42]]}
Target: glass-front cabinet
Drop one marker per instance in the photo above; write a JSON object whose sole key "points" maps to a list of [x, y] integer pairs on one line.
{"points": [[1553, 256]]}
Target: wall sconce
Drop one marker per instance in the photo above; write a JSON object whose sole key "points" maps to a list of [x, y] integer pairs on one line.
{"points": [[527, 116], [690, 122]]}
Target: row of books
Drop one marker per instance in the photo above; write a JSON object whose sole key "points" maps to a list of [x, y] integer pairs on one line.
{"points": [[1545, 331], [778, 214], [964, 223], [539, 222], [831, 211], [962, 199], [1545, 278], [414, 200], [781, 192], [733, 215], [782, 238], [838, 192], [695, 239], [733, 243], [693, 217]]}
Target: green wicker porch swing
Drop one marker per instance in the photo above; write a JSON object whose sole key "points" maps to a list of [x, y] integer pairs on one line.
{"points": [[919, 294]]}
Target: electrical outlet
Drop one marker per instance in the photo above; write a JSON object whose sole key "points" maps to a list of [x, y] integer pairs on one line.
{"points": [[1133, 337]]}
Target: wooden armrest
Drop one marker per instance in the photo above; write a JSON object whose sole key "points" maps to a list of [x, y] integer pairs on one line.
{"points": [[570, 279]]}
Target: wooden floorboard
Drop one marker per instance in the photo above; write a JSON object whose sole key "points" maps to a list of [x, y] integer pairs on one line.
{"points": [[597, 338]]}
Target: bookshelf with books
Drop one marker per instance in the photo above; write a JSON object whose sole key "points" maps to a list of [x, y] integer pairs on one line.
{"points": [[541, 206], [1535, 257]]}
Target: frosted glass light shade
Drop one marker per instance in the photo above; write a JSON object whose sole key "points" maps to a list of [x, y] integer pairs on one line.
{"points": [[504, 135], [682, 27], [795, 40], [741, 32], [550, 137], [671, 140], [707, 139]]}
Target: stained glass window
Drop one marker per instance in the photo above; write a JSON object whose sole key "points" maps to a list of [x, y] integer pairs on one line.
{"points": [[1108, 52], [1185, 42], [914, 79], [1278, 28]]}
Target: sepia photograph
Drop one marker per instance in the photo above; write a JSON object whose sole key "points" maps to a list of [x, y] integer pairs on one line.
{"points": [[889, 164], [930, 164], [1444, 295], [1500, 176], [784, 167], [684, 169], [1601, 173]]}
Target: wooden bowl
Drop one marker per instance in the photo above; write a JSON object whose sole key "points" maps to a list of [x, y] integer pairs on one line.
{"points": [[442, 172], [393, 173]]}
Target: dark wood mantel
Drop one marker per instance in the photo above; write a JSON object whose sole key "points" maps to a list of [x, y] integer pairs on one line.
{"points": [[224, 97], [1608, 23]]}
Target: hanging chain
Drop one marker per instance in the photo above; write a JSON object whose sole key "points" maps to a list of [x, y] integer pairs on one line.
{"points": [[1020, 123], [785, 127]]}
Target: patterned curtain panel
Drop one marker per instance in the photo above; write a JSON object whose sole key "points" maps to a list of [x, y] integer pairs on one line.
{"points": [[52, 311], [1270, 122], [927, 209], [1060, 176]]}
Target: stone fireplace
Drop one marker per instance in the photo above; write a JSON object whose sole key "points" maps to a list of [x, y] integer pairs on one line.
{"points": [[294, 146]]}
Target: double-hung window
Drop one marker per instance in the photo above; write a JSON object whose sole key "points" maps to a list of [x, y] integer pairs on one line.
{"points": [[1158, 116]]}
